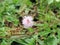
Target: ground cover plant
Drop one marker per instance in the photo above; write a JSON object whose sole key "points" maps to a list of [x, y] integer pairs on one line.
{"points": [[29, 22]]}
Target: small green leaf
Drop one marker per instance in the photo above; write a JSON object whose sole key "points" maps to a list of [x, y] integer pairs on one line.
{"points": [[57, 0], [50, 1], [4, 43]]}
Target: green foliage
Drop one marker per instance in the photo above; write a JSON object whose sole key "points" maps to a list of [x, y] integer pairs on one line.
{"points": [[46, 30]]}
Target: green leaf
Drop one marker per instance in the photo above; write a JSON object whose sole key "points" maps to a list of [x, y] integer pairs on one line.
{"points": [[30, 30], [51, 41], [50, 1], [57, 0], [4, 43]]}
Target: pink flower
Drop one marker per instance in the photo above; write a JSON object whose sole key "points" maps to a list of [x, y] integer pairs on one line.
{"points": [[27, 21]]}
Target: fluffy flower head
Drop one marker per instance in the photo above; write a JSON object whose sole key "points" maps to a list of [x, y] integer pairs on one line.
{"points": [[27, 21]]}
